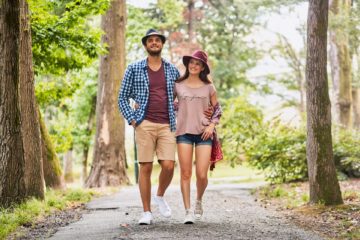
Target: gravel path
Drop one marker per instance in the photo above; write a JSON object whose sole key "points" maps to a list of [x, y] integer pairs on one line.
{"points": [[230, 212]]}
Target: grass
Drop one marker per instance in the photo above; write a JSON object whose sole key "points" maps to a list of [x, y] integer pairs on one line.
{"points": [[32, 210], [222, 173], [342, 220]]}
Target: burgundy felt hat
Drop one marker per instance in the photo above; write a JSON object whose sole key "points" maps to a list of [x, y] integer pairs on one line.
{"points": [[199, 55]]}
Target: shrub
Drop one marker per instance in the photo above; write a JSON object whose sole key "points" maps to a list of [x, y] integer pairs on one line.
{"points": [[280, 151], [347, 151], [239, 122]]}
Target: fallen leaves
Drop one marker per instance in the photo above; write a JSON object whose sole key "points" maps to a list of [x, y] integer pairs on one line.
{"points": [[337, 222]]}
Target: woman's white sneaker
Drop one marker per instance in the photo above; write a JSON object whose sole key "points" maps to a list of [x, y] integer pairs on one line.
{"points": [[198, 212], [189, 218], [146, 218], [163, 206]]}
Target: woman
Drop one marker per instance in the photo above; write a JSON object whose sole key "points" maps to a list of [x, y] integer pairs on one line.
{"points": [[194, 92]]}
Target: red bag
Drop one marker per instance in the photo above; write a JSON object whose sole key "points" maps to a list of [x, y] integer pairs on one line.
{"points": [[216, 151]]}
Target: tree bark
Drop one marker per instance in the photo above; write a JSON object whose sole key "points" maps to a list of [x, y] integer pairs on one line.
{"points": [[30, 128], [68, 166], [85, 163], [340, 62], [191, 21], [12, 183], [356, 107], [51, 164], [108, 166], [86, 146], [324, 186]]}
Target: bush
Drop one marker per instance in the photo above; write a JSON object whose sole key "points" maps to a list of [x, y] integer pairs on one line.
{"points": [[280, 151], [347, 151], [239, 122]]}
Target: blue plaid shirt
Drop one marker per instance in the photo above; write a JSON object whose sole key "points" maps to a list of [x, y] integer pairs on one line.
{"points": [[135, 85]]}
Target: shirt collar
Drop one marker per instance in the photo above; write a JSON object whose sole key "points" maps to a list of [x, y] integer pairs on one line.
{"points": [[143, 62]]}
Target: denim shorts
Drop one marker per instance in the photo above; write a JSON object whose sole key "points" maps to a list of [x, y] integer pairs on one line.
{"points": [[193, 139]]}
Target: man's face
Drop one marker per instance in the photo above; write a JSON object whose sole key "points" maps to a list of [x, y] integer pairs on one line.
{"points": [[154, 45]]}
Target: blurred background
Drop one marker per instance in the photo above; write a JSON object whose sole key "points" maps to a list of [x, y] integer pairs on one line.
{"points": [[257, 56]]}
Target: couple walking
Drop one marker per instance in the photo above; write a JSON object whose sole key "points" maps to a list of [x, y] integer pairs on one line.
{"points": [[154, 84]]}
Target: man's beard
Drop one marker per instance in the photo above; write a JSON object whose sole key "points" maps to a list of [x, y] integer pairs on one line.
{"points": [[154, 53]]}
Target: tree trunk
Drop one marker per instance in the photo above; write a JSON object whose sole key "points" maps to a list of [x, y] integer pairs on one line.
{"points": [[340, 62], [86, 146], [191, 21], [108, 167], [68, 166], [30, 128], [302, 106], [51, 164], [324, 186], [12, 183], [85, 163], [356, 107]]}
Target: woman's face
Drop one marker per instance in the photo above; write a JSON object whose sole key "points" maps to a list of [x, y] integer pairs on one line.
{"points": [[195, 66]]}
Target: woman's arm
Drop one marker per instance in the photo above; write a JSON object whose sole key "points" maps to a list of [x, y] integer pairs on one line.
{"points": [[208, 132]]}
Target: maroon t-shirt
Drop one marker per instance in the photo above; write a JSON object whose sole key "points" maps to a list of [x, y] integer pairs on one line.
{"points": [[157, 110]]}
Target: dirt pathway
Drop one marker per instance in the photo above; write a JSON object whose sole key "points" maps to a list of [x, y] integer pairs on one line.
{"points": [[230, 212]]}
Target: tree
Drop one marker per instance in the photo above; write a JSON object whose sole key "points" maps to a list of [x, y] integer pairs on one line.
{"points": [[51, 163], [324, 186], [68, 166], [65, 40], [340, 60], [30, 128], [12, 183], [354, 35], [223, 33], [108, 166], [295, 79]]}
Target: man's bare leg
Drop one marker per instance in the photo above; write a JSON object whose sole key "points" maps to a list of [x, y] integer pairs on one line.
{"points": [[166, 175], [145, 184]]}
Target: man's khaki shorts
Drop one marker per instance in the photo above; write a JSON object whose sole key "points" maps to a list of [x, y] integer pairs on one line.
{"points": [[154, 137]]}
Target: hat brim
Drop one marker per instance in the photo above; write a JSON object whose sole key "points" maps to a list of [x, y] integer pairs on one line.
{"points": [[186, 60], [162, 37]]}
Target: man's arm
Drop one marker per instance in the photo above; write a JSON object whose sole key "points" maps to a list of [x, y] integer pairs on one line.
{"points": [[124, 96]]}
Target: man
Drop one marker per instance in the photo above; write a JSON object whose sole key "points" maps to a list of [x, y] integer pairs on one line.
{"points": [[150, 82]]}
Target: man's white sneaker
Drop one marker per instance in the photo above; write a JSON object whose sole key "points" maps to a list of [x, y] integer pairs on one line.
{"points": [[146, 218], [198, 212], [163, 206], [189, 218]]}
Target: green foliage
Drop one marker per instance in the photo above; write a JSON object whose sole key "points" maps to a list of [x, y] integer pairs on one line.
{"points": [[31, 210], [290, 195], [137, 25], [82, 108], [79, 195], [66, 39], [62, 37], [222, 33], [165, 16], [280, 151], [239, 122], [50, 90], [347, 151], [74, 105]]}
